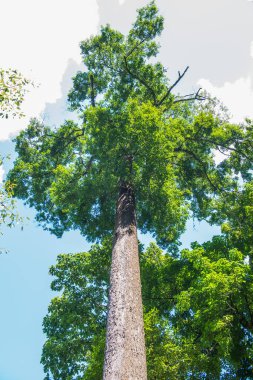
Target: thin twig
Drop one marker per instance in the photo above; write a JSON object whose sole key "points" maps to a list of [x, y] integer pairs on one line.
{"points": [[187, 98]]}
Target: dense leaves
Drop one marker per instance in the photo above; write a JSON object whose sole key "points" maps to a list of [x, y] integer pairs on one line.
{"points": [[132, 129], [76, 319]]}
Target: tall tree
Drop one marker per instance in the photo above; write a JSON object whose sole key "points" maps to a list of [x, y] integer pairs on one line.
{"points": [[139, 146]]}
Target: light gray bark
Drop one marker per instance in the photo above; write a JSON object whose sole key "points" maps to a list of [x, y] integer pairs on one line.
{"points": [[125, 356]]}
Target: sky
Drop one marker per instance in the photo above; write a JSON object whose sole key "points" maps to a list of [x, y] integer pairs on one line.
{"points": [[41, 39]]}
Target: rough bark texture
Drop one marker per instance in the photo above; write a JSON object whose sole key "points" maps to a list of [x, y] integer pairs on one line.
{"points": [[125, 357]]}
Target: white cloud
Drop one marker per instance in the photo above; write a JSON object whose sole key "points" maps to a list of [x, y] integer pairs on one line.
{"points": [[236, 96], [38, 38]]}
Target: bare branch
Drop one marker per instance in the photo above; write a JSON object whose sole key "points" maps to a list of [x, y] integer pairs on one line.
{"points": [[187, 98], [180, 76]]}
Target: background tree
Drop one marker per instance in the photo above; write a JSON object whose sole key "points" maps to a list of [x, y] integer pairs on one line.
{"points": [[8, 214], [13, 87], [137, 144]]}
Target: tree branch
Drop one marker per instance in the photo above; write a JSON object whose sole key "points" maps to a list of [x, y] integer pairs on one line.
{"points": [[215, 187], [92, 92], [249, 310], [180, 76], [135, 47], [219, 145], [187, 98], [150, 89], [88, 166]]}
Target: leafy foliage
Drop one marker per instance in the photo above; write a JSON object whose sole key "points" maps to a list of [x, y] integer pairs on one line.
{"points": [[76, 321], [8, 215], [13, 87], [132, 129]]}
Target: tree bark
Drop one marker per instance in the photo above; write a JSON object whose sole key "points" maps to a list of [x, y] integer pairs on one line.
{"points": [[125, 356]]}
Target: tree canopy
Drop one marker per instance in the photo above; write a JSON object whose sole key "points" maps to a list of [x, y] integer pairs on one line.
{"points": [[132, 128]]}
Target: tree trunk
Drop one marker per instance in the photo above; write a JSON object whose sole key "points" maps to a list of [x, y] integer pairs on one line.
{"points": [[125, 357]]}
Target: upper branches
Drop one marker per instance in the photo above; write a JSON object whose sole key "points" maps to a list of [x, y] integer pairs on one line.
{"points": [[180, 76], [141, 81]]}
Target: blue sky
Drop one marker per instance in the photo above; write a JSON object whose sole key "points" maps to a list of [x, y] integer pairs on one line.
{"points": [[42, 40]]}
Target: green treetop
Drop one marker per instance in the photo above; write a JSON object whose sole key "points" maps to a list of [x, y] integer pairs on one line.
{"points": [[133, 129]]}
